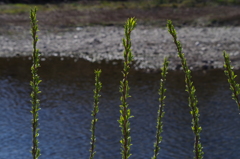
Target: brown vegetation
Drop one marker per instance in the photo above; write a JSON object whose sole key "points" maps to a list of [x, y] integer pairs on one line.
{"points": [[157, 16]]}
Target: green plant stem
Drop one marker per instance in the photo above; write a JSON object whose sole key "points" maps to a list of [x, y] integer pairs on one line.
{"points": [[161, 112], [234, 86], [34, 83], [98, 86], [125, 113], [191, 91]]}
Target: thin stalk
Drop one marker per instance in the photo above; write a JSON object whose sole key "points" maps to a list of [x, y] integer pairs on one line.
{"points": [[34, 83], [98, 86], [234, 86], [192, 99], [161, 112], [125, 113]]}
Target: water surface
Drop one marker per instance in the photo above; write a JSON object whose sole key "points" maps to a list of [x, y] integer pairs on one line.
{"points": [[66, 102]]}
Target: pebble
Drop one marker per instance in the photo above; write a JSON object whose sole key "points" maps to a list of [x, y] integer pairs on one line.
{"points": [[149, 45]]}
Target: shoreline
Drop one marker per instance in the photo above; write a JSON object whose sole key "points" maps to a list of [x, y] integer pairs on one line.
{"points": [[202, 46]]}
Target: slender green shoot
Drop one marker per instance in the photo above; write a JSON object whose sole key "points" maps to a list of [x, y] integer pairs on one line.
{"points": [[191, 91], [161, 112], [98, 86], [234, 87], [34, 83], [125, 113]]}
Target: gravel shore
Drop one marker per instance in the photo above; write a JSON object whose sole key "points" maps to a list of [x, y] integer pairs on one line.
{"points": [[203, 47]]}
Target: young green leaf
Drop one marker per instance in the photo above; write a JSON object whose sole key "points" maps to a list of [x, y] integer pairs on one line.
{"points": [[192, 99], [125, 113], [34, 84], [234, 86], [161, 112], [98, 86]]}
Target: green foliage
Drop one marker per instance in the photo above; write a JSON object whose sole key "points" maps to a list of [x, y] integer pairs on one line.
{"points": [[161, 112], [98, 86], [234, 87], [192, 99], [125, 113], [34, 83]]}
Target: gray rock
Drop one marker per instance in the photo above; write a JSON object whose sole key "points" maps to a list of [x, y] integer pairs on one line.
{"points": [[149, 45]]}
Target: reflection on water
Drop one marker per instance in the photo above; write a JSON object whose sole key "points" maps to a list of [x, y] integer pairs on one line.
{"points": [[66, 102]]}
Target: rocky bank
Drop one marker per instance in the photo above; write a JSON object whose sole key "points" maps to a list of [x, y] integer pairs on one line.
{"points": [[203, 47]]}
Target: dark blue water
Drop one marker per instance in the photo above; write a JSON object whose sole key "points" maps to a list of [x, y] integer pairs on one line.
{"points": [[66, 102]]}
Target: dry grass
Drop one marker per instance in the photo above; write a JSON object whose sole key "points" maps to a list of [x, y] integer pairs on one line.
{"points": [[52, 16]]}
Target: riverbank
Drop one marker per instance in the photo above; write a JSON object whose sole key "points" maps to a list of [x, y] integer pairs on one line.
{"points": [[95, 34], [202, 46]]}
